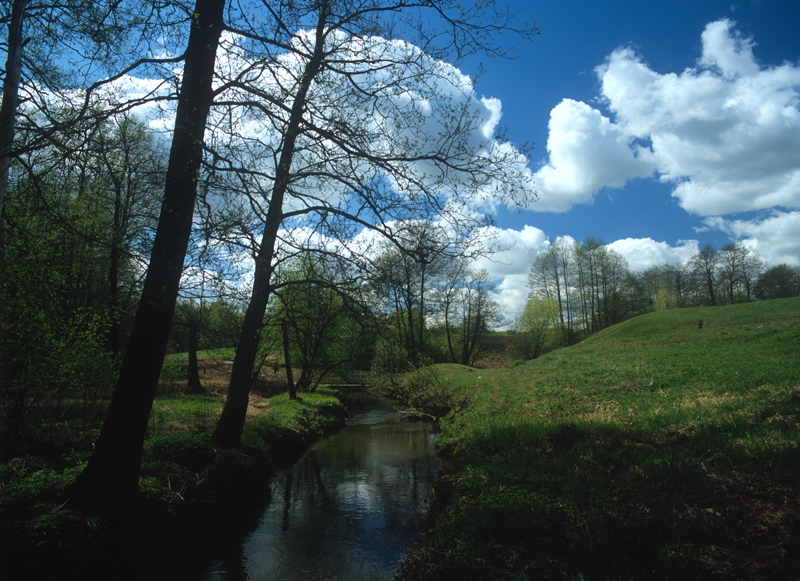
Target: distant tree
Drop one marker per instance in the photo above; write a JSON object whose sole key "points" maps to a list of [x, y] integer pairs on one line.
{"points": [[324, 319], [731, 260], [476, 313], [587, 281], [537, 327], [677, 277], [550, 277], [778, 282], [190, 319], [703, 266], [751, 270]]}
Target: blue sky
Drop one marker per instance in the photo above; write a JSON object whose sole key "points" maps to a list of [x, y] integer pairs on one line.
{"points": [[659, 127], [708, 90]]}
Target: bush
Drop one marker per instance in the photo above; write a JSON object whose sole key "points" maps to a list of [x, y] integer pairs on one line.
{"points": [[424, 392]]}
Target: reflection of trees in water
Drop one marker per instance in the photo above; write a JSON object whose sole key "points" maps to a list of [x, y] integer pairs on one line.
{"points": [[349, 507]]}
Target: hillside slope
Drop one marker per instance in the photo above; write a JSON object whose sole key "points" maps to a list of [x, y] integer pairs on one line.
{"points": [[666, 447]]}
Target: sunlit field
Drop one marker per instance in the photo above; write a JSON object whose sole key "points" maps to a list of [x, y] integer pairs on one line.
{"points": [[665, 447]]}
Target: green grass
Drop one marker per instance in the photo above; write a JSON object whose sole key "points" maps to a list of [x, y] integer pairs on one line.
{"points": [[181, 468], [658, 449], [184, 413]]}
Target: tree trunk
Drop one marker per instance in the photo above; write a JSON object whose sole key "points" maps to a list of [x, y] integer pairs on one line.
{"points": [[193, 371], [113, 469], [8, 108], [287, 357], [229, 428]]}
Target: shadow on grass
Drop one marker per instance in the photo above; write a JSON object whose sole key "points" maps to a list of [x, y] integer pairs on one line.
{"points": [[607, 501]]}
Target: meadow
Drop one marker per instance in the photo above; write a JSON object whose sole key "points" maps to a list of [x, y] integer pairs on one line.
{"points": [[665, 447]]}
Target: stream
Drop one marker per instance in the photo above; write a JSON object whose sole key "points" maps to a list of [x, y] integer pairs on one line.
{"points": [[348, 510]]}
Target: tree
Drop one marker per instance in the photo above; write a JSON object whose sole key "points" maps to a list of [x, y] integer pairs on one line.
{"points": [[113, 469], [677, 277], [537, 326], [731, 264], [778, 282], [325, 321], [406, 278], [550, 278], [190, 317], [586, 278], [478, 314], [52, 335], [74, 232], [11, 81], [360, 132], [703, 266], [61, 57]]}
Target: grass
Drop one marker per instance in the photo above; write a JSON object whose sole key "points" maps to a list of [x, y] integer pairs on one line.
{"points": [[182, 473], [661, 448]]}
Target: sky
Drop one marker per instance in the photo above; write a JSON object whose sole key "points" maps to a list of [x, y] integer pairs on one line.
{"points": [[657, 126]]}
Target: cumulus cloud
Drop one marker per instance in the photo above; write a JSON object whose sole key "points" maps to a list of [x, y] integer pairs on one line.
{"points": [[725, 133], [774, 238], [509, 266], [587, 152], [642, 253]]}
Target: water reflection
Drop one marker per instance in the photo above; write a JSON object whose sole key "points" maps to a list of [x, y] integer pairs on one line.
{"points": [[347, 510]]}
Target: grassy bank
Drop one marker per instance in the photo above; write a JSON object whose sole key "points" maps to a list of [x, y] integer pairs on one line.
{"points": [[189, 487], [665, 447]]}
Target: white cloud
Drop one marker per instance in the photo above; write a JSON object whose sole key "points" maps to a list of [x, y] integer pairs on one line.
{"points": [[775, 239], [642, 253], [510, 265], [726, 132], [587, 152], [728, 51], [518, 249]]}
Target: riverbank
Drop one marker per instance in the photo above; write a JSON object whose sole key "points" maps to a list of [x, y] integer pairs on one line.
{"points": [[663, 448], [190, 490]]}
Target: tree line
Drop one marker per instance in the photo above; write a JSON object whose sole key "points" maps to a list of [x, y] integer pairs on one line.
{"points": [[579, 288]]}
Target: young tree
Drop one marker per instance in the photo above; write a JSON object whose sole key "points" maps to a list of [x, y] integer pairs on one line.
{"points": [[536, 327]]}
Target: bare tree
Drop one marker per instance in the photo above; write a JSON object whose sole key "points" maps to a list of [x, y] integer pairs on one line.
{"points": [[703, 266]]}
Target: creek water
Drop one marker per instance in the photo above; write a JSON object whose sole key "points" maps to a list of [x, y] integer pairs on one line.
{"points": [[348, 510]]}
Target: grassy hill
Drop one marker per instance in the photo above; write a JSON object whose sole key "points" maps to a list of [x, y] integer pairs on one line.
{"points": [[665, 447]]}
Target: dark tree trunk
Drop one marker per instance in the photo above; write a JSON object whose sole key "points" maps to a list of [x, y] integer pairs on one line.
{"points": [[8, 108], [113, 469], [193, 371], [287, 357], [231, 422]]}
